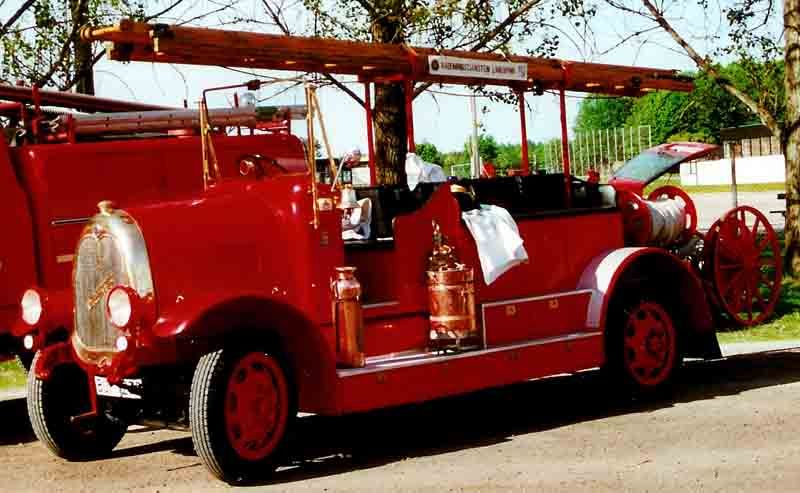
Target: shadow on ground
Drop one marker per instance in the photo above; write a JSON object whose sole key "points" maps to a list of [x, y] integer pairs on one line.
{"points": [[323, 446], [14, 424]]}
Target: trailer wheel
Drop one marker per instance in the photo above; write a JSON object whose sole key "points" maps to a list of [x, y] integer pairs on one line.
{"points": [[52, 405], [643, 346], [241, 405]]}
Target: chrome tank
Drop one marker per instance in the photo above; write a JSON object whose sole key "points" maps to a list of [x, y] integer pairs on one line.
{"points": [[111, 252]]}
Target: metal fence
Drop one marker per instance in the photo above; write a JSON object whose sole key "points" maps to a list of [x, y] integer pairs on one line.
{"points": [[600, 150]]}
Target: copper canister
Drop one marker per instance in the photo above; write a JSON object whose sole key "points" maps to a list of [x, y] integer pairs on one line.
{"points": [[451, 294], [347, 318]]}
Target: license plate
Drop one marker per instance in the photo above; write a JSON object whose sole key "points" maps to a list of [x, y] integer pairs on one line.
{"points": [[128, 389]]}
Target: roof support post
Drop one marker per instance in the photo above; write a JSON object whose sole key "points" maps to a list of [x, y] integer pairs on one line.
{"points": [[565, 146], [408, 92], [373, 178], [524, 131]]}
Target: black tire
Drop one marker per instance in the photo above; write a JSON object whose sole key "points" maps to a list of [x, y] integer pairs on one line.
{"points": [[661, 348], [212, 390], [51, 405]]}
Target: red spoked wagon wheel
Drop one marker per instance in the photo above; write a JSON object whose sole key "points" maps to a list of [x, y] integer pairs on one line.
{"points": [[240, 408], [673, 192], [650, 345], [636, 221], [746, 264]]}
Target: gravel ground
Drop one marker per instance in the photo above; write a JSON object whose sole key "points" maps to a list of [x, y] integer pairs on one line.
{"points": [[729, 425]]}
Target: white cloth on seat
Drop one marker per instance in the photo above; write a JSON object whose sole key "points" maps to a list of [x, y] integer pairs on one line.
{"points": [[356, 225], [419, 171], [500, 247]]}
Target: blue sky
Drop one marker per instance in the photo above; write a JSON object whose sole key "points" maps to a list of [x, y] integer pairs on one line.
{"points": [[442, 120]]}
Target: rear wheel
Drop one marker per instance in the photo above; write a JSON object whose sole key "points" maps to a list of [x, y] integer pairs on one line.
{"points": [[643, 346], [52, 405], [241, 405]]}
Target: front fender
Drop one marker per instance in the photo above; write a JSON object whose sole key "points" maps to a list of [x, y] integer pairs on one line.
{"points": [[613, 268], [208, 322]]}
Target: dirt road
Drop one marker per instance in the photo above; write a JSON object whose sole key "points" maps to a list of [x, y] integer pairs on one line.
{"points": [[731, 425], [711, 206]]}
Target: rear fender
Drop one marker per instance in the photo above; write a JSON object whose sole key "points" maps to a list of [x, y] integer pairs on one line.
{"points": [[210, 322], [611, 271]]}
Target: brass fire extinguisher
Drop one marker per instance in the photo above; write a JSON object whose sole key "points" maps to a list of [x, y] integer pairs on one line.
{"points": [[348, 319], [451, 299]]}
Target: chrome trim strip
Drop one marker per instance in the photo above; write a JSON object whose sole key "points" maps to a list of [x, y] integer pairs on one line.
{"points": [[537, 298], [380, 305], [382, 363], [73, 220], [524, 300]]}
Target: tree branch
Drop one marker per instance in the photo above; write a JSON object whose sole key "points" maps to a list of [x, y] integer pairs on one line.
{"points": [[275, 15], [16, 15], [705, 64]]}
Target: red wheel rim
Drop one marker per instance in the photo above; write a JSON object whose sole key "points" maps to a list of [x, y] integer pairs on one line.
{"points": [[673, 192], [636, 220], [256, 405], [747, 266], [650, 345]]}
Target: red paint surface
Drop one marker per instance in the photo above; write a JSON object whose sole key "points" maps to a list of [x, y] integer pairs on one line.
{"points": [[47, 183]]}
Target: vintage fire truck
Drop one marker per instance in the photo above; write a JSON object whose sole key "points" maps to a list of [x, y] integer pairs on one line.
{"points": [[61, 153], [229, 311]]}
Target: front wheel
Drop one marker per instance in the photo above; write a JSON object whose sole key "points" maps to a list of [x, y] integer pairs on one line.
{"points": [[643, 346], [239, 410], [52, 405]]}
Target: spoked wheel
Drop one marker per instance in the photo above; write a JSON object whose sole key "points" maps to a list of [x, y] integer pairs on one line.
{"points": [[52, 404], [746, 266], [636, 220], [675, 193], [240, 408]]}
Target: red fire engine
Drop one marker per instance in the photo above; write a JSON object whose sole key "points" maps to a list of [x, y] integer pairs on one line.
{"points": [[231, 310], [56, 164]]}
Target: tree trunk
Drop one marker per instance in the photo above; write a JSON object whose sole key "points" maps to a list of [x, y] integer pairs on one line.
{"points": [[390, 133], [391, 143], [790, 141], [82, 50]]}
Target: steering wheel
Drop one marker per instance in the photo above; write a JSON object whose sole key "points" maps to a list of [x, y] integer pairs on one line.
{"points": [[673, 192], [636, 221]]}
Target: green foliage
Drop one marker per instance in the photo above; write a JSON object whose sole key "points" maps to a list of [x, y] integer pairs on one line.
{"points": [[601, 112], [663, 111], [429, 153], [691, 137], [509, 156], [698, 115], [487, 147], [40, 47]]}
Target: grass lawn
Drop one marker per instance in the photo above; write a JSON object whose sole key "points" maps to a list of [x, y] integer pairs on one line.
{"points": [[742, 187], [12, 375], [784, 324]]}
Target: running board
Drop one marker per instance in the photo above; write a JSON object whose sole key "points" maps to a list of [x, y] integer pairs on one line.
{"points": [[415, 358]]}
